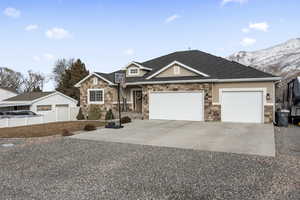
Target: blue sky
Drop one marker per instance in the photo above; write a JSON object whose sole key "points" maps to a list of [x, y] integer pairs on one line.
{"points": [[107, 34]]}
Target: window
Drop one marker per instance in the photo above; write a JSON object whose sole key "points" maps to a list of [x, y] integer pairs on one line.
{"points": [[43, 108], [95, 81], [96, 96], [133, 71], [176, 70]]}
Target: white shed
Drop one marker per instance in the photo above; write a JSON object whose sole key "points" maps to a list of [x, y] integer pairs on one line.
{"points": [[54, 106]]}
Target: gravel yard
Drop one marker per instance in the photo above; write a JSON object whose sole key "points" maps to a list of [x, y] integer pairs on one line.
{"points": [[64, 168]]}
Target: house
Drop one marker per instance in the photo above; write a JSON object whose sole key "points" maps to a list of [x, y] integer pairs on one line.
{"points": [[42, 103], [6, 92], [186, 85]]}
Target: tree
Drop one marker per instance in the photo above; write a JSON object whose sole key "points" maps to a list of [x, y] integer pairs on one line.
{"points": [[34, 81], [10, 78], [61, 65], [76, 72]]}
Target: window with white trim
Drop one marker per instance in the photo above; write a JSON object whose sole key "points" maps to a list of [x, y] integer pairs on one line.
{"points": [[176, 69], [133, 71], [96, 96]]}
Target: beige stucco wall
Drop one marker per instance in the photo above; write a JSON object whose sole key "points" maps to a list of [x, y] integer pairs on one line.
{"points": [[141, 71], [170, 72], [267, 85]]}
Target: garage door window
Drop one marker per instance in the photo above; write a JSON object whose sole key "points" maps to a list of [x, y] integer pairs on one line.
{"points": [[96, 96]]}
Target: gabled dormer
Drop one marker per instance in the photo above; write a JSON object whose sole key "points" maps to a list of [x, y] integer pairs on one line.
{"points": [[135, 69]]}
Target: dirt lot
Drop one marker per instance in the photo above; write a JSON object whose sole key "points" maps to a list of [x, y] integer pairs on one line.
{"points": [[64, 168], [41, 130]]}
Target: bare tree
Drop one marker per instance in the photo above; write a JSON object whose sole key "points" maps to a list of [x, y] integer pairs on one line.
{"points": [[34, 81], [59, 69], [10, 78]]}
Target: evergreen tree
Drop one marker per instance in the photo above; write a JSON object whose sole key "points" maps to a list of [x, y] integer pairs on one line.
{"points": [[76, 72]]}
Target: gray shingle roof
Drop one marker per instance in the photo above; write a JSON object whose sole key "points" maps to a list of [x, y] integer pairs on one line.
{"points": [[29, 96], [215, 67]]}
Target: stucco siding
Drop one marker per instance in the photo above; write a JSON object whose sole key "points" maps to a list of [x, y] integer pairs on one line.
{"points": [[170, 72]]}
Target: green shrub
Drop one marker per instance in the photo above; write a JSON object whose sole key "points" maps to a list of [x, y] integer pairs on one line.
{"points": [[94, 112], [89, 127], [109, 115], [125, 120], [80, 115]]}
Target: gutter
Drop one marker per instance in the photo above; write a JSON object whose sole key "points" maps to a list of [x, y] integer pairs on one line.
{"points": [[207, 81]]}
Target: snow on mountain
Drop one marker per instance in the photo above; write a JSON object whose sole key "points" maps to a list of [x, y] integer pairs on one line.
{"points": [[282, 59]]}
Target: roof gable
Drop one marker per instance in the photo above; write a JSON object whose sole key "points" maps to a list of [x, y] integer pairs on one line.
{"points": [[13, 90], [179, 64], [102, 76]]}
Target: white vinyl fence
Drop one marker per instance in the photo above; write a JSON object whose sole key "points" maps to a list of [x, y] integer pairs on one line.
{"points": [[51, 116]]}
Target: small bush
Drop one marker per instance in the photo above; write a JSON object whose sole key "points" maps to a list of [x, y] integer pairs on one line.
{"points": [[89, 127], [66, 132], [94, 112], [109, 115], [125, 120], [80, 115]]}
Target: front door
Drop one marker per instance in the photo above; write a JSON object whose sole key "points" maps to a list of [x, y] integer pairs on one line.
{"points": [[137, 100]]}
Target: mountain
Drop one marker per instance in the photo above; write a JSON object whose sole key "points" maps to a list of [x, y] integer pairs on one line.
{"points": [[282, 59]]}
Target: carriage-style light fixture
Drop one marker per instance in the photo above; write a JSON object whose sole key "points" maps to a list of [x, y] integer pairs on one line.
{"points": [[268, 97]]}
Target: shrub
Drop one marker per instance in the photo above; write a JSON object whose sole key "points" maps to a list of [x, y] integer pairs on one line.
{"points": [[125, 120], [89, 127], [66, 132], [109, 115], [94, 112], [80, 115]]}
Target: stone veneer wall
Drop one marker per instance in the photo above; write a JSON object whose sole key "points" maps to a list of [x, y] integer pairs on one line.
{"points": [[211, 112], [268, 114], [109, 93]]}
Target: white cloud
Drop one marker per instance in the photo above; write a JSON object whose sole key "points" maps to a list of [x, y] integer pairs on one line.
{"points": [[248, 42], [12, 12], [57, 33], [245, 30], [233, 1], [36, 58], [129, 52], [48, 56], [262, 26], [172, 18], [31, 27]]}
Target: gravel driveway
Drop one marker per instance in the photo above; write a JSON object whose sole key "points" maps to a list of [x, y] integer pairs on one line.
{"points": [[64, 168]]}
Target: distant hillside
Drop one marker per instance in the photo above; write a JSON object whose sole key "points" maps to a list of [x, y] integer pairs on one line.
{"points": [[282, 59]]}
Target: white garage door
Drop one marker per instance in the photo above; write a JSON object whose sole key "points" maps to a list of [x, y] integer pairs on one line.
{"points": [[62, 112], [242, 106], [176, 106]]}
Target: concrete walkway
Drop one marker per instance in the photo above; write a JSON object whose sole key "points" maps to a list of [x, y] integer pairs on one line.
{"points": [[256, 139]]}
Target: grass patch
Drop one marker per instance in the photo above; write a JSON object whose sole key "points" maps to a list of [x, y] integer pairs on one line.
{"points": [[48, 129]]}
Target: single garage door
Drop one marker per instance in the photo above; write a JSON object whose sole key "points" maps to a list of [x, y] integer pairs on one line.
{"points": [[62, 112], [242, 106], [176, 106]]}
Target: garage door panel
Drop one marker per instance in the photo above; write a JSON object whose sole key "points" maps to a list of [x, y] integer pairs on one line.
{"points": [[242, 106], [176, 106]]}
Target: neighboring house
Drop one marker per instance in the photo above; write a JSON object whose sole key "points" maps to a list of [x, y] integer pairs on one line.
{"points": [[186, 85], [41, 103], [6, 93]]}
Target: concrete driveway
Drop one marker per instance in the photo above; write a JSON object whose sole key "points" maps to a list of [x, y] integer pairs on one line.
{"points": [[257, 139]]}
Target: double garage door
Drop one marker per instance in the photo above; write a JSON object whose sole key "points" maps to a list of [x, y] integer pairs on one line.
{"points": [[240, 106], [176, 106]]}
